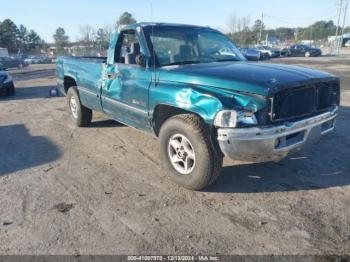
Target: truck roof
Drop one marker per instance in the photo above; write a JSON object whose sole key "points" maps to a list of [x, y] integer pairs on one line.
{"points": [[146, 24]]}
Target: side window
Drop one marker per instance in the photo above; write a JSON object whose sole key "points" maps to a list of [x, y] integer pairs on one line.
{"points": [[128, 48], [166, 48]]}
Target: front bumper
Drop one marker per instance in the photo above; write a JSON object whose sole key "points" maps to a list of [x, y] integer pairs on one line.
{"points": [[274, 143], [5, 85]]}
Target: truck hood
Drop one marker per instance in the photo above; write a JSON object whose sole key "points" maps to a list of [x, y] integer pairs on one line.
{"points": [[256, 78]]}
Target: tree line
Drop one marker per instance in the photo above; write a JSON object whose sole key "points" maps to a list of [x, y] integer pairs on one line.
{"points": [[20, 38], [91, 39], [242, 33], [16, 38]]}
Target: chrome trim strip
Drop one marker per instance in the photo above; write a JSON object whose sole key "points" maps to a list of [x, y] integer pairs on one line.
{"points": [[259, 144], [85, 90], [125, 105]]}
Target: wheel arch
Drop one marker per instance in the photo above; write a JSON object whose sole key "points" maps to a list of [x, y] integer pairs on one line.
{"points": [[68, 81], [163, 112]]}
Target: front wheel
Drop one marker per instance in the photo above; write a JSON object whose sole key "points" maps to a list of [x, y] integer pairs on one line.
{"points": [[80, 114], [187, 152]]}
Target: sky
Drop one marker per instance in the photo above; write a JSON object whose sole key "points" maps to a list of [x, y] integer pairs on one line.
{"points": [[44, 16]]}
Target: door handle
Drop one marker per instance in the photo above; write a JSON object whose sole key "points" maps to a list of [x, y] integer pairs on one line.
{"points": [[113, 76]]}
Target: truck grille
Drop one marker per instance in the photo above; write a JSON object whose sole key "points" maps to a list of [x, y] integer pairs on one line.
{"points": [[304, 100]]}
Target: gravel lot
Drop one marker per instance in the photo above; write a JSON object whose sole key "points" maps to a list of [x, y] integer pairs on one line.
{"points": [[100, 190]]}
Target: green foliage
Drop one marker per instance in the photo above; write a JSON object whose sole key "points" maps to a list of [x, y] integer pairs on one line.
{"points": [[33, 40], [102, 39], [125, 19], [61, 39], [257, 26], [283, 33], [8, 35], [320, 30], [18, 38]]}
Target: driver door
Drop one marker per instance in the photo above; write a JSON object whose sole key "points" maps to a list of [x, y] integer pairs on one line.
{"points": [[125, 85]]}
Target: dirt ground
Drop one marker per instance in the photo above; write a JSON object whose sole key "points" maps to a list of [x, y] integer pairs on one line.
{"points": [[100, 190]]}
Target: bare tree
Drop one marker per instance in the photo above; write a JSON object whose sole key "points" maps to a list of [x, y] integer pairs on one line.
{"points": [[245, 21], [232, 23], [108, 29], [88, 35]]}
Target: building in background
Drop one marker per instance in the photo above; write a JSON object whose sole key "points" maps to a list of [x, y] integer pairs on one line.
{"points": [[4, 52], [333, 40]]}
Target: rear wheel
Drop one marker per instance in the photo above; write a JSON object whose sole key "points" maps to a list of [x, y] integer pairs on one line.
{"points": [[11, 90], [187, 152], [80, 114]]}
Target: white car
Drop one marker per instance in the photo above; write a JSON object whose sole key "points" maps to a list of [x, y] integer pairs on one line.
{"points": [[347, 44], [265, 51]]}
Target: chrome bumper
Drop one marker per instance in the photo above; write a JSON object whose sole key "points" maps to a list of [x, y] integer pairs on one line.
{"points": [[274, 143]]}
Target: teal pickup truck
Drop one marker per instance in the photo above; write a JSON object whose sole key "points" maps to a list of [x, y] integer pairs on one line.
{"points": [[192, 88]]}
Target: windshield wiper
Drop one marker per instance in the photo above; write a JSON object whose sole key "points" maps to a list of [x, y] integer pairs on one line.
{"points": [[228, 60], [183, 63]]}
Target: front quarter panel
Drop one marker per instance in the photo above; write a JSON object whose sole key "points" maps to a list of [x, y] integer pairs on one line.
{"points": [[203, 101], [185, 97]]}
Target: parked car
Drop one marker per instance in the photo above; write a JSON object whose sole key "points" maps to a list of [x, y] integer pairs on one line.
{"points": [[6, 83], [285, 52], [32, 59], [304, 51], [265, 53], [10, 62], [271, 52], [175, 83], [251, 54], [4, 52], [38, 60], [45, 59], [347, 44]]}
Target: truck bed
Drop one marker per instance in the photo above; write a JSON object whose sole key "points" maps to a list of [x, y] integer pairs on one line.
{"points": [[94, 59], [85, 71]]}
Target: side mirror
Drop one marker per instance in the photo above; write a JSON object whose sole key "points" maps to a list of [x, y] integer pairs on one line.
{"points": [[141, 60]]}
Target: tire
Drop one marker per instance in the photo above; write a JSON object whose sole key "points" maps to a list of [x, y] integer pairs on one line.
{"points": [[11, 90], [207, 162], [80, 114]]}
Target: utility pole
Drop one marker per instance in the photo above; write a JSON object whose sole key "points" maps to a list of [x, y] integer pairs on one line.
{"points": [[311, 35], [342, 32], [261, 27], [338, 22], [296, 34]]}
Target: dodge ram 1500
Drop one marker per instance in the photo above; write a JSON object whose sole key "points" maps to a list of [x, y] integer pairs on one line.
{"points": [[193, 89]]}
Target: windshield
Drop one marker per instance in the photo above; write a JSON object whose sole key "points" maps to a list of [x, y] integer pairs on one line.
{"points": [[189, 45]]}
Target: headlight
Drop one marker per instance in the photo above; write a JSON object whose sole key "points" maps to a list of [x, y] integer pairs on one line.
{"points": [[232, 118]]}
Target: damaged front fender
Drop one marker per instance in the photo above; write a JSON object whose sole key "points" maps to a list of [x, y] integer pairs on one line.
{"points": [[203, 101]]}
